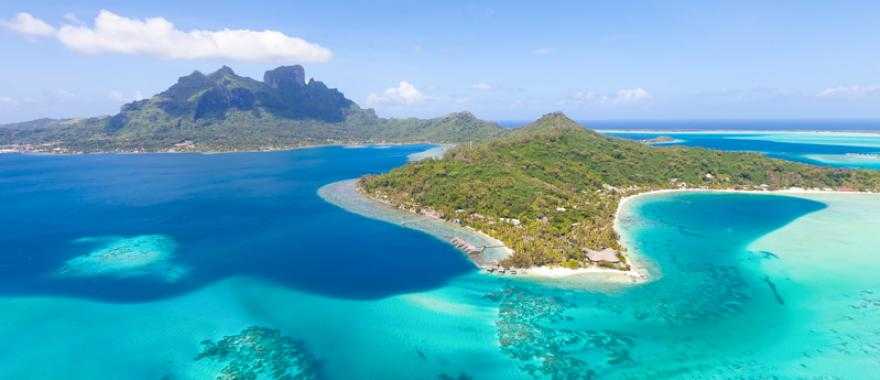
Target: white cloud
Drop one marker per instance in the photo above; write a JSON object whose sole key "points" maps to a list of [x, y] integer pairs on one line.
{"points": [[543, 51], [404, 94], [62, 94], [28, 26], [622, 97], [849, 92], [121, 97], [632, 95], [483, 86], [7, 101], [112, 33]]}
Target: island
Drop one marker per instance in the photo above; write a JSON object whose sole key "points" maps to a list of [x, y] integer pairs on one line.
{"points": [[550, 191], [225, 112], [661, 140]]}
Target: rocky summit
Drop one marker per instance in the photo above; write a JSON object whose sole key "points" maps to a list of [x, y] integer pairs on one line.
{"points": [[283, 93]]}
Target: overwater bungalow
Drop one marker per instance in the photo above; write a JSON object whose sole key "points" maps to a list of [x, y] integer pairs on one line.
{"points": [[465, 246]]}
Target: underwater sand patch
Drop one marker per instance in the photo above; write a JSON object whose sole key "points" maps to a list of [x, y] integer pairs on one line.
{"points": [[125, 257]]}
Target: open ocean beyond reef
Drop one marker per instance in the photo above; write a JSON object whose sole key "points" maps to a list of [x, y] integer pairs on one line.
{"points": [[191, 266]]}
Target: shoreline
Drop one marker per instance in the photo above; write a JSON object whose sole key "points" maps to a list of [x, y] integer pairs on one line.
{"points": [[347, 195], [436, 152]]}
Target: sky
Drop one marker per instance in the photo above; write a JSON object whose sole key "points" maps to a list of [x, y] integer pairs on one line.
{"points": [[501, 60]]}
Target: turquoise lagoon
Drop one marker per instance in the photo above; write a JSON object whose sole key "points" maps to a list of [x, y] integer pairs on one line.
{"points": [[268, 279]]}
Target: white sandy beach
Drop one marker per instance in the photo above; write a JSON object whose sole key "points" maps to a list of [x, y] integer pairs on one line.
{"points": [[345, 194], [436, 152], [635, 275]]}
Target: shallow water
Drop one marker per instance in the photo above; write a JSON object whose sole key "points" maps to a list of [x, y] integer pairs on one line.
{"points": [[747, 286]]}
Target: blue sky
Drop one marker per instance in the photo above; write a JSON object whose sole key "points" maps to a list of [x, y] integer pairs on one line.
{"points": [[502, 60]]}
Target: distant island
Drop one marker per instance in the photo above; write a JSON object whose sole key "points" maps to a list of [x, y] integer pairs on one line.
{"points": [[550, 190], [222, 112], [661, 140]]}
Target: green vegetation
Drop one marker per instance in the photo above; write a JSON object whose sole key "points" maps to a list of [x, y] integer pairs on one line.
{"points": [[550, 190], [226, 112]]}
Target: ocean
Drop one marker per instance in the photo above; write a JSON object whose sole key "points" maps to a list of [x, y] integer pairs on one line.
{"points": [[189, 266]]}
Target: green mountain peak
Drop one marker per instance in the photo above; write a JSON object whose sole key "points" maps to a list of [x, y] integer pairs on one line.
{"points": [[555, 122]]}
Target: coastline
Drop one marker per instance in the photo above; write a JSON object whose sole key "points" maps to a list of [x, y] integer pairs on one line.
{"points": [[347, 195], [436, 152]]}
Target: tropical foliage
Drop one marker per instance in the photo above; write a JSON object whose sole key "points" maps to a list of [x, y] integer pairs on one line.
{"points": [[550, 190]]}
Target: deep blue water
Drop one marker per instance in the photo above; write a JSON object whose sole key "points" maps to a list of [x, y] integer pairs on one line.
{"points": [[254, 214]]}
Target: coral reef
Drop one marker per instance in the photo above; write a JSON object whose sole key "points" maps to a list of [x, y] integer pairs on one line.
{"points": [[261, 352], [531, 330]]}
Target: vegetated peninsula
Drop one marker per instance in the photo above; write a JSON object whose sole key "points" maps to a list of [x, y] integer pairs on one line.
{"points": [[550, 190], [223, 111]]}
